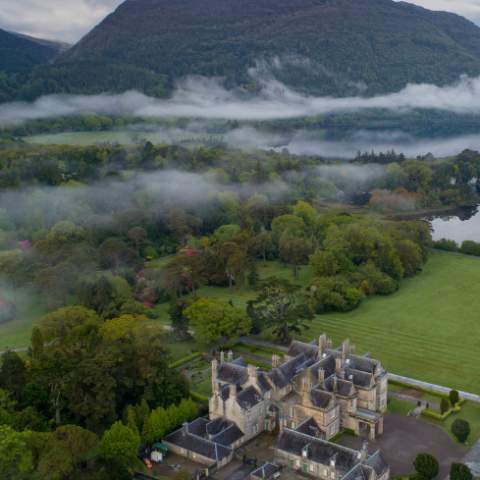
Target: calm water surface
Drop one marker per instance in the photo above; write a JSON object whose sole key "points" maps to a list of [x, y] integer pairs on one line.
{"points": [[463, 224]]}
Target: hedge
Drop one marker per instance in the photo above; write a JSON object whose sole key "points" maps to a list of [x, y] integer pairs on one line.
{"points": [[199, 397], [182, 361], [426, 390], [431, 413]]}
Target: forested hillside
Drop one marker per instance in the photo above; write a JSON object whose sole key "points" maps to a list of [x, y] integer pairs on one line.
{"points": [[323, 47], [19, 53]]}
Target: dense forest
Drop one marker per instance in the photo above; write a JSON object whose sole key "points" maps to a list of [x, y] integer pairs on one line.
{"points": [[320, 47], [104, 235]]}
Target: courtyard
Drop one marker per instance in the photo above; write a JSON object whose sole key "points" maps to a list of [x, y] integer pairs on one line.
{"points": [[406, 437]]}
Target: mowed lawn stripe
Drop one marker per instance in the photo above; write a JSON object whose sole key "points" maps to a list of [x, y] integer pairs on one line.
{"points": [[430, 329]]}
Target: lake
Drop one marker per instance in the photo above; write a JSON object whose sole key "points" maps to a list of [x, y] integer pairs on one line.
{"points": [[462, 224]]}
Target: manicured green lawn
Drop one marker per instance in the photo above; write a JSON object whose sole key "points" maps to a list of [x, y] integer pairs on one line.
{"points": [[429, 330], [16, 334]]}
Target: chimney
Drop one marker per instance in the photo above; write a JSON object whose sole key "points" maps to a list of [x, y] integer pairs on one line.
{"points": [[252, 373], [321, 375], [230, 356], [275, 360], [333, 462], [335, 384], [345, 349], [232, 389], [185, 428], [322, 343], [222, 357], [214, 374], [363, 454]]}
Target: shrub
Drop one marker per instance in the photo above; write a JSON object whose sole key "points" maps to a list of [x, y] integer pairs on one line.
{"points": [[461, 429], [426, 466], [454, 397], [446, 245], [459, 471], [444, 406], [470, 248]]}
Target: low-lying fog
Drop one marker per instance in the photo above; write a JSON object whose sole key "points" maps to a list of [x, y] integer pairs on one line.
{"points": [[207, 100], [298, 142]]}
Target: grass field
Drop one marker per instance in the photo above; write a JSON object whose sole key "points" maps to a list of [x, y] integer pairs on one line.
{"points": [[16, 334], [429, 329]]}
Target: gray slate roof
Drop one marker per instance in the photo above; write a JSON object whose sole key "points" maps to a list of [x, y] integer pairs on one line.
{"points": [[249, 397], [266, 471], [310, 427], [320, 398], [378, 463], [228, 436], [199, 445], [232, 373], [319, 451]]}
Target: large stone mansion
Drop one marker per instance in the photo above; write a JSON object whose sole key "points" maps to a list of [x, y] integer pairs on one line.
{"points": [[311, 396]]}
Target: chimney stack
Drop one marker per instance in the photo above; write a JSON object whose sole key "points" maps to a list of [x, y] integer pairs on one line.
{"points": [[345, 349], [322, 343], [222, 357], [214, 375], [232, 389], [364, 451], [275, 360], [230, 356]]}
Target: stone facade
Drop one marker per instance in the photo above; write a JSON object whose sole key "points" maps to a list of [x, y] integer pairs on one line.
{"points": [[335, 387], [309, 397]]}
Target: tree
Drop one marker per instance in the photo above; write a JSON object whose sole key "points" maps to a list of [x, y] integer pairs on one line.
{"points": [[291, 224], [294, 251], [281, 306], [459, 471], [213, 320], [444, 406], [178, 319], [324, 263], [454, 397], [119, 444], [13, 374], [410, 255], [426, 466], [138, 236], [37, 343], [16, 461], [461, 429], [69, 324], [64, 450], [156, 425]]}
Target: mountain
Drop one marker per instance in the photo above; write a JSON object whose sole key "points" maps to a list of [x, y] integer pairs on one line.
{"points": [[326, 47], [20, 53]]}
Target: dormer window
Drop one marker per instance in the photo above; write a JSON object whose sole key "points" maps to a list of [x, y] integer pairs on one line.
{"points": [[305, 450]]}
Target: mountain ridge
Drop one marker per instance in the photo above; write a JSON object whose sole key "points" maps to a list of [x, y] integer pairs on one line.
{"points": [[21, 53], [320, 47]]}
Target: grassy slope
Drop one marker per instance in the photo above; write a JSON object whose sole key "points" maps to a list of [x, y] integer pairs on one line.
{"points": [[428, 330], [16, 334]]}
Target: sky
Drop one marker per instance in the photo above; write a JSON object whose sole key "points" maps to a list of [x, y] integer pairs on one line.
{"points": [[69, 20]]}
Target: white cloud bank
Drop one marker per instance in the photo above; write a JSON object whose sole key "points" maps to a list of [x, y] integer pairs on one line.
{"points": [[207, 99]]}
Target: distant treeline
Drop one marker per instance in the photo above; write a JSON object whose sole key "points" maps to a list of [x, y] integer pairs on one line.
{"points": [[467, 247]]}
